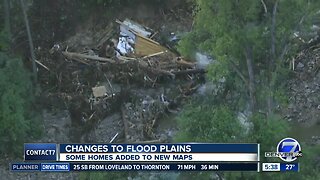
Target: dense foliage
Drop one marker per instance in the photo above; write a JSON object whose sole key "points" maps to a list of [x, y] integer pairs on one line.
{"points": [[250, 41], [205, 123], [16, 118]]}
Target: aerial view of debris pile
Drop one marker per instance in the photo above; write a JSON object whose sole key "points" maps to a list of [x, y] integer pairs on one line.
{"points": [[115, 80]]}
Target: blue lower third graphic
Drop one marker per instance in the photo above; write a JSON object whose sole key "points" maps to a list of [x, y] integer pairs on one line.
{"points": [[289, 167], [23, 167], [39, 152], [55, 167]]}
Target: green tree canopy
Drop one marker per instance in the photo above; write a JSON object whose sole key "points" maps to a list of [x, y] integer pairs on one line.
{"points": [[203, 123], [250, 41], [16, 99]]}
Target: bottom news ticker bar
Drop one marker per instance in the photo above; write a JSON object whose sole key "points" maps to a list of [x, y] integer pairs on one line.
{"points": [[66, 167]]}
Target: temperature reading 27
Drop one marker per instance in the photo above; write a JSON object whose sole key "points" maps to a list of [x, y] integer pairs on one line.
{"points": [[289, 166]]}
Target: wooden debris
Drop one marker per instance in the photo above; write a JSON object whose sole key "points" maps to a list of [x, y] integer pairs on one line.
{"points": [[150, 141], [146, 46], [183, 62], [72, 55], [97, 58], [114, 137], [155, 54], [156, 71], [80, 60], [45, 67], [153, 35], [91, 116], [189, 71], [128, 25], [136, 121]]}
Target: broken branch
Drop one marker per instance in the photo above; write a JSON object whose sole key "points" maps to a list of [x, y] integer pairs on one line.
{"points": [[114, 137], [45, 67], [264, 6], [72, 55], [155, 54]]}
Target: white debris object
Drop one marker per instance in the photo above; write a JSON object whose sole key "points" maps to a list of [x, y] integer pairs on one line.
{"points": [[137, 28], [99, 91], [124, 45]]}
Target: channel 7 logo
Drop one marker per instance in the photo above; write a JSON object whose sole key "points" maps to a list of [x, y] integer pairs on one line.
{"points": [[288, 150]]}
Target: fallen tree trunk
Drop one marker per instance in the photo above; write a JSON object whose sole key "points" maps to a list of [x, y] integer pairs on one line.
{"points": [[72, 55], [141, 63]]}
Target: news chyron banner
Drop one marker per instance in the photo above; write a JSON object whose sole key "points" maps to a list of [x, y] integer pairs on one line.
{"points": [[142, 157]]}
